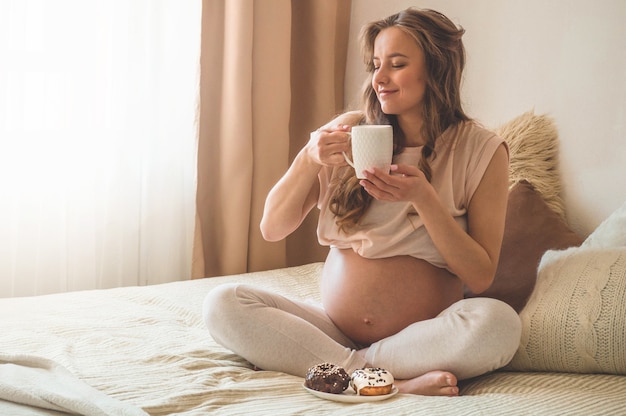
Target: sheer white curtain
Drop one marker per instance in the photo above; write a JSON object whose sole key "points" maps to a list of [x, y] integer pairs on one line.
{"points": [[98, 139]]}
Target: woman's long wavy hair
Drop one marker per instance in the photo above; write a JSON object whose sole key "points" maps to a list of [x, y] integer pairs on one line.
{"points": [[440, 40]]}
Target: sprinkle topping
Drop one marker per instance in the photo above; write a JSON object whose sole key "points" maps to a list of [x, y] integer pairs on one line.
{"points": [[371, 377]]}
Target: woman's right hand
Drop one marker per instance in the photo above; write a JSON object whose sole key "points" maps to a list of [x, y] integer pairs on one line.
{"points": [[327, 144]]}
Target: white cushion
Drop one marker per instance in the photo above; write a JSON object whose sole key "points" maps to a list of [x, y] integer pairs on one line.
{"points": [[611, 232]]}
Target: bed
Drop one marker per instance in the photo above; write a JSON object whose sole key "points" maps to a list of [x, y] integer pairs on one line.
{"points": [[145, 350]]}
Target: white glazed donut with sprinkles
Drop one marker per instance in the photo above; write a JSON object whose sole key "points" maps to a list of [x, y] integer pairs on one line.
{"points": [[372, 381]]}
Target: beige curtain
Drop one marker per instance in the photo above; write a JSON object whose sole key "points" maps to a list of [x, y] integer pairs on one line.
{"points": [[271, 71]]}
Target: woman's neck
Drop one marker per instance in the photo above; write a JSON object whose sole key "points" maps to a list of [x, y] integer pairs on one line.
{"points": [[412, 129]]}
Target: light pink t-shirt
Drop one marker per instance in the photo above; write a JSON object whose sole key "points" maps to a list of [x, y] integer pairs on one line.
{"points": [[393, 228]]}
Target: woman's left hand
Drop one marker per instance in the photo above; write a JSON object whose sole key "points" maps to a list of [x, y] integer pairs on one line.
{"points": [[402, 183]]}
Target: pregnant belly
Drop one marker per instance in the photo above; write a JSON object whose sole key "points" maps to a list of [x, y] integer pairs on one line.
{"points": [[370, 299]]}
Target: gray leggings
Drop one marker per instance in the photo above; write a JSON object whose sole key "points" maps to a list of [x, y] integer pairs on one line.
{"points": [[471, 337]]}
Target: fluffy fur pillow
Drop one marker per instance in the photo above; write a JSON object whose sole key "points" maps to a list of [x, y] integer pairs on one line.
{"points": [[534, 156], [535, 220], [575, 319]]}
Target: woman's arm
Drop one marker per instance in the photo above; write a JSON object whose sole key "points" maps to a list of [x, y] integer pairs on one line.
{"points": [[291, 199], [297, 192], [472, 256]]}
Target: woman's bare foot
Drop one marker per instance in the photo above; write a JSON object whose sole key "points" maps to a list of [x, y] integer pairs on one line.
{"points": [[433, 383]]}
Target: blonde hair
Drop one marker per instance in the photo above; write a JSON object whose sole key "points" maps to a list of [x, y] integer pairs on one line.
{"points": [[440, 41]]}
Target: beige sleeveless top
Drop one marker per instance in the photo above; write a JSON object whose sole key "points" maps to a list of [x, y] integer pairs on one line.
{"points": [[393, 228]]}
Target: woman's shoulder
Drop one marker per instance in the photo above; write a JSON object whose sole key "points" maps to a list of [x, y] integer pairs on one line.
{"points": [[474, 129], [472, 147], [471, 134]]}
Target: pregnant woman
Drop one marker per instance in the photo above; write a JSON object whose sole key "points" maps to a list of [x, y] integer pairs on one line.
{"points": [[402, 243]]}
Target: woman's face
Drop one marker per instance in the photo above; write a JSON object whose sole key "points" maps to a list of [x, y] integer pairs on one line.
{"points": [[399, 77]]}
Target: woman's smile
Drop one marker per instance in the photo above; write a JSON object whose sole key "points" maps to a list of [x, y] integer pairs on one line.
{"points": [[385, 93]]}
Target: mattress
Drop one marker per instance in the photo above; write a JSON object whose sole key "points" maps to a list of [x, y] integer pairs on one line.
{"points": [[147, 348]]}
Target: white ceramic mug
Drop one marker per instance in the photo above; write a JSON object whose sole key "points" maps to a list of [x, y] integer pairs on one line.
{"points": [[372, 147]]}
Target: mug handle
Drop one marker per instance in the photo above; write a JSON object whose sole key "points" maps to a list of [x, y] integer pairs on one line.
{"points": [[345, 156]]}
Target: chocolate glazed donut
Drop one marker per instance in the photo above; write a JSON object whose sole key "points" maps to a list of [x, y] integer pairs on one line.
{"points": [[327, 378]]}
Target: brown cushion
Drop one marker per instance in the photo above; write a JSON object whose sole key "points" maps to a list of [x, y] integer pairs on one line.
{"points": [[530, 230]]}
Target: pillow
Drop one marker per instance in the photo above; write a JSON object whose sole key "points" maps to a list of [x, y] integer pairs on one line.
{"points": [[533, 156], [531, 228], [575, 319], [611, 232]]}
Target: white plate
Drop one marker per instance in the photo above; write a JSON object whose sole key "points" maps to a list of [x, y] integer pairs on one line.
{"points": [[349, 395]]}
